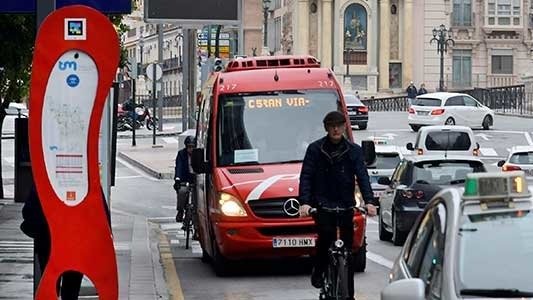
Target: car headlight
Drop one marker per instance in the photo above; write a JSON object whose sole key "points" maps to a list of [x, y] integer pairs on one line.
{"points": [[231, 206]]}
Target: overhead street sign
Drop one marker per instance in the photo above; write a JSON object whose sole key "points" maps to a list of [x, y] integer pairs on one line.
{"points": [[104, 6], [193, 12]]}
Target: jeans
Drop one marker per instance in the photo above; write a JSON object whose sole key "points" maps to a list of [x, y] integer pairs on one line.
{"points": [[327, 233]]}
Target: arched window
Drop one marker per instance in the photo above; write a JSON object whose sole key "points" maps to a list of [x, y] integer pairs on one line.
{"points": [[355, 27]]}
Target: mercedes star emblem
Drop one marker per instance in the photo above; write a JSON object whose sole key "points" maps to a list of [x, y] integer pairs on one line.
{"points": [[291, 207]]}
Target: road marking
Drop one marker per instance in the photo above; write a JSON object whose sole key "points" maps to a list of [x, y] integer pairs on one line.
{"points": [[171, 207], [170, 140], [528, 138], [174, 242], [488, 152], [380, 260], [169, 268], [170, 226], [136, 170], [484, 136]]}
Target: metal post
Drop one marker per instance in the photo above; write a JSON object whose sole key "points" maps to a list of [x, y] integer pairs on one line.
{"points": [[154, 87], [133, 99], [160, 95], [192, 79], [441, 81], [185, 80]]}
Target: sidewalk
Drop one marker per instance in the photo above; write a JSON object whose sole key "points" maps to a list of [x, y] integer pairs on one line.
{"points": [[137, 258], [158, 161]]}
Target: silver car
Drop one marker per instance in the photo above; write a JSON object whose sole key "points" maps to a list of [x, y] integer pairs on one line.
{"points": [[469, 243]]}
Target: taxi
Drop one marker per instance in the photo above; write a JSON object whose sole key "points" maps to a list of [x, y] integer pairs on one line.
{"points": [[471, 243]]}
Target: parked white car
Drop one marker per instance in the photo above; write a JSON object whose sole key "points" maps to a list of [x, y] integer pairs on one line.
{"points": [[444, 139], [8, 128], [520, 159], [449, 109]]}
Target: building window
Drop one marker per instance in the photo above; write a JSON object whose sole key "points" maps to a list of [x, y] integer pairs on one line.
{"points": [[462, 12], [503, 13], [355, 34], [462, 68], [502, 64]]}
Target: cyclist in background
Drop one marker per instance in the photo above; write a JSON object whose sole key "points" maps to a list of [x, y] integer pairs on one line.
{"points": [[327, 180], [183, 173]]}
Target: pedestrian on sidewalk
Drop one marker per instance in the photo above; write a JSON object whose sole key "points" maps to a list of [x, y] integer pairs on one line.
{"points": [[411, 93], [422, 89], [183, 174], [35, 226]]}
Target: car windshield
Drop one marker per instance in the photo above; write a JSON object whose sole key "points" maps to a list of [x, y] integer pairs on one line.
{"points": [[271, 127], [498, 241], [352, 100], [387, 160], [448, 140], [445, 172], [524, 158], [427, 102]]}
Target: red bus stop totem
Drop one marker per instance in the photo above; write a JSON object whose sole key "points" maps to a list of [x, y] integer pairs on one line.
{"points": [[75, 60]]}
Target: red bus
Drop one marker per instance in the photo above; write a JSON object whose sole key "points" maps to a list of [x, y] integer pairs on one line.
{"points": [[254, 124]]}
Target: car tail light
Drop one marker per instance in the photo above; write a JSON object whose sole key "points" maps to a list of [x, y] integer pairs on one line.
{"points": [[412, 194], [411, 110], [363, 109], [419, 151], [437, 112], [506, 168]]}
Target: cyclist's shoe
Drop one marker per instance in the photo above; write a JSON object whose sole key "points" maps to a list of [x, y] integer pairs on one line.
{"points": [[316, 279], [179, 217]]}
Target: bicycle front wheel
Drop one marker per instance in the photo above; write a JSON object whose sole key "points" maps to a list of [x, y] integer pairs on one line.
{"points": [[341, 288]]}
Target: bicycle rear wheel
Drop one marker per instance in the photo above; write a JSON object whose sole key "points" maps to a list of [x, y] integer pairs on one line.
{"points": [[187, 224]]}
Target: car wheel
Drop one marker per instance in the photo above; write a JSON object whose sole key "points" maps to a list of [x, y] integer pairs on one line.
{"points": [[384, 235], [359, 259], [363, 126], [449, 121], [398, 236], [487, 122], [415, 128]]}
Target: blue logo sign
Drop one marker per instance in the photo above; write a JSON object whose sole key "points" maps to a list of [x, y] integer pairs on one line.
{"points": [[73, 80], [68, 65]]}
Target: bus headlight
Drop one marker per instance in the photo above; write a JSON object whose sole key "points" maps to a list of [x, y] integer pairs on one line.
{"points": [[231, 206]]}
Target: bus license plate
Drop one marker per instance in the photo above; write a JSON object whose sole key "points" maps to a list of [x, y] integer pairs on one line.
{"points": [[293, 242]]}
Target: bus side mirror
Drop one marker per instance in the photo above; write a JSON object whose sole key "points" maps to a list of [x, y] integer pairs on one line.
{"points": [[198, 163], [369, 152], [409, 146]]}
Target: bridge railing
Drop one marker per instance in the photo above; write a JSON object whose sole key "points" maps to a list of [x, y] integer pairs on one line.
{"points": [[512, 100]]}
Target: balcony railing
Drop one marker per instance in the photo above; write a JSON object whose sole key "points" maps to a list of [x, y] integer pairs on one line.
{"points": [[500, 80]]}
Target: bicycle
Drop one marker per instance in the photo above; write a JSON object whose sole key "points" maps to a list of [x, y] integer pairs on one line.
{"points": [[336, 277], [188, 218]]}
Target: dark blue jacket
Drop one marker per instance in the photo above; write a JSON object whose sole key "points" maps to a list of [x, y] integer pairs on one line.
{"points": [[327, 182], [181, 169]]}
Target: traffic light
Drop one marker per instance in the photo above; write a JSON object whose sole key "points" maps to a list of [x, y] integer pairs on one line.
{"points": [[218, 66]]}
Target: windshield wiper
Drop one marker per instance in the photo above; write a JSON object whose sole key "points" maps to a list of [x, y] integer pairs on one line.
{"points": [[502, 293], [457, 181]]}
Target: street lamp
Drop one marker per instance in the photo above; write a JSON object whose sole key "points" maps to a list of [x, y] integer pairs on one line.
{"points": [[440, 36], [266, 7]]}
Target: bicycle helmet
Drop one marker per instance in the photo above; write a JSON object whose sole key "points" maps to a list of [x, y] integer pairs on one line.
{"points": [[334, 118], [190, 140]]}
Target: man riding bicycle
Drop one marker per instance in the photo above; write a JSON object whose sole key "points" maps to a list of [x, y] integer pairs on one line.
{"points": [[327, 181], [183, 174]]}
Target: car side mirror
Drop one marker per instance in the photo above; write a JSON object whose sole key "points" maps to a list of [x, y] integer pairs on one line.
{"points": [[410, 147], [384, 180], [501, 163], [404, 289], [198, 163], [369, 152]]}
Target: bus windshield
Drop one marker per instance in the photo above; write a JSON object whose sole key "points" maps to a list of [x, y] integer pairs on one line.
{"points": [[271, 127]]}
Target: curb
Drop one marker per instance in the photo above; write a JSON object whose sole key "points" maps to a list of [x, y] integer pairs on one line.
{"points": [[514, 115], [145, 168]]}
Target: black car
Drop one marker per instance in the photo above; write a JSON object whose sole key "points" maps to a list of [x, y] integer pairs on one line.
{"points": [[414, 182], [357, 111]]}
